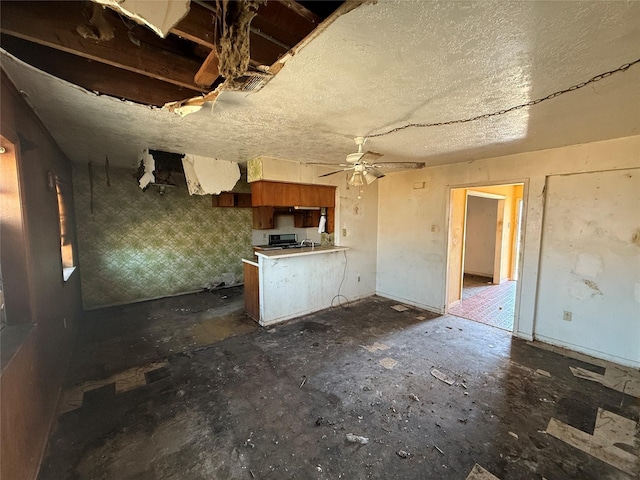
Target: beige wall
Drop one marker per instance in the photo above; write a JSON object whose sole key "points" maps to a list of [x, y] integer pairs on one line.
{"points": [[35, 352], [413, 226]]}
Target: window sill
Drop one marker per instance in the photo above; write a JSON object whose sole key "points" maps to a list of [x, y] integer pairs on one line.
{"points": [[67, 272]]}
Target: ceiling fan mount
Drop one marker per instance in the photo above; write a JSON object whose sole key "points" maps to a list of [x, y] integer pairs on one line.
{"points": [[363, 170]]}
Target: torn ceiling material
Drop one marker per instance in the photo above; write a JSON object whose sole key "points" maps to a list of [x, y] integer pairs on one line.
{"points": [[209, 175], [160, 15]]}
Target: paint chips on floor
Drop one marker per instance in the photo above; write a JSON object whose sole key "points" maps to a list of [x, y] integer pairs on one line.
{"points": [[616, 377], [400, 308], [375, 347], [441, 376], [479, 473], [388, 363], [611, 431]]}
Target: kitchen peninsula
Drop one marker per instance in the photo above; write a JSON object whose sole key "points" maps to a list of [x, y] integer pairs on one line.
{"points": [[284, 284]]}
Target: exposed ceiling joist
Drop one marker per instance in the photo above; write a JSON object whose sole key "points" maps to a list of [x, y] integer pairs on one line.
{"points": [[197, 26], [26, 20], [96, 76]]}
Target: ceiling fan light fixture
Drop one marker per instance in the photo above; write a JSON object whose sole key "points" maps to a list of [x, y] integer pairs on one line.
{"points": [[356, 179]]}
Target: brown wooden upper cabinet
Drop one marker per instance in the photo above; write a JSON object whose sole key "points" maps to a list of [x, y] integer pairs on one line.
{"points": [[231, 199], [278, 194]]}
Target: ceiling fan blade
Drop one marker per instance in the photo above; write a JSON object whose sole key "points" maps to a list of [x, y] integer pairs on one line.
{"points": [[321, 164], [369, 156], [333, 173], [412, 165], [374, 172], [371, 175]]}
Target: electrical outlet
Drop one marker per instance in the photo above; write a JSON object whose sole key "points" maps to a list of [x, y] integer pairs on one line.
{"points": [[344, 232], [566, 316]]}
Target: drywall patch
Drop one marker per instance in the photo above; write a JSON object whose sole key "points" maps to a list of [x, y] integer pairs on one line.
{"points": [[589, 265], [583, 288], [593, 286], [209, 175]]}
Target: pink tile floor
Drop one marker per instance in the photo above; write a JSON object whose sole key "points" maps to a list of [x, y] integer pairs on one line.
{"points": [[486, 303]]}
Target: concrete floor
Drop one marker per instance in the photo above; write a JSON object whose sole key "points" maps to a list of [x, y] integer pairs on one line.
{"points": [[189, 388]]}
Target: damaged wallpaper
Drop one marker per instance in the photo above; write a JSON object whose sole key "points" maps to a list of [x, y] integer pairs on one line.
{"points": [[140, 245]]}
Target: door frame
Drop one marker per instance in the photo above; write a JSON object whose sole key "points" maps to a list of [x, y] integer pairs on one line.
{"points": [[520, 252]]}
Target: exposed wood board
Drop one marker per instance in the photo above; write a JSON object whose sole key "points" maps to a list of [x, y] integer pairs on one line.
{"points": [[346, 7], [281, 22], [37, 22], [209, 71], [302, 11], [197, 26], [96, 76], [263, 51]]}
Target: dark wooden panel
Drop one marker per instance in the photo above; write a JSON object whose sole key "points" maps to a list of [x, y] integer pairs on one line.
{"points": [[252, 291], [54, 24], [197, 26]]}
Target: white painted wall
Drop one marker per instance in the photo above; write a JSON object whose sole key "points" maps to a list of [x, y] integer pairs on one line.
{"points": [[284, 224], [590, 265], [412, 226], [300, 284], [480, 236]]}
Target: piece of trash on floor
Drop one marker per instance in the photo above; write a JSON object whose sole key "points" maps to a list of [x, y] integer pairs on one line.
{"points": [[271, 330], [388, 363], [463, 420], [414, 397], [479, 473], [441, 376], [304, 380], [420, 317], [357, 439], [514, 435], [400, 308], [437, 448], [544, 373], [375, 347], [403, 454]]}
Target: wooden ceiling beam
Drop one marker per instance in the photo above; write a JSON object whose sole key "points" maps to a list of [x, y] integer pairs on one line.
{"points": [[279, 21], [301, 11], [96, 76], [54, 24], [197, 26]]}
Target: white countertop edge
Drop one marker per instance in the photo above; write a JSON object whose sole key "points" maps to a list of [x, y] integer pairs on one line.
{"points": [[250, 262], [298, 252]]}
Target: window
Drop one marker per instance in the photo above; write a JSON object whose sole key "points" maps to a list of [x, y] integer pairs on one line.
{"points": [[66, 237]]}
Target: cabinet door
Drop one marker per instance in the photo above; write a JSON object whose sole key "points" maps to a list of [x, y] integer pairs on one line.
{"points": [[243, 200], [263, 218]]}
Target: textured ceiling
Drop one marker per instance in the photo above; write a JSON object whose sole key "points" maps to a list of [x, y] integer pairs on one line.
{"points": [[383, 65]]}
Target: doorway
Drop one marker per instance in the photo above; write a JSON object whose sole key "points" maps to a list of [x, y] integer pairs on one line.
{"points": [[483, 251]]}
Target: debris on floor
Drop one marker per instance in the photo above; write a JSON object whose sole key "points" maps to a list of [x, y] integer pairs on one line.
{"points": [[544, 373], [442, 377], [400, 308], [514, 435], [357, 439], [375, 347], [479, 473], [403, 454], [388, 363]]}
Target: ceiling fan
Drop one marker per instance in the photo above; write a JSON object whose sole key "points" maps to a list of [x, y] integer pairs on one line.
{"points": [[363, 170]]}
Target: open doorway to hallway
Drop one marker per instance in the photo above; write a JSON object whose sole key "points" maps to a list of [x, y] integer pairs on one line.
{"points": [[484, 244]]}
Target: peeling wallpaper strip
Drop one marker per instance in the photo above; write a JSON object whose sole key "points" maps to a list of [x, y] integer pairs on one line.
{"points": [[141, 245]]}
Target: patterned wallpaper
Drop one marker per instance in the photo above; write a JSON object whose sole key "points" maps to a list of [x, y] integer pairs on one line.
{"points": [[139, 245]]}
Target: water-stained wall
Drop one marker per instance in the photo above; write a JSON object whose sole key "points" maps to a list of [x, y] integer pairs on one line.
{"points": [[137, 245]]}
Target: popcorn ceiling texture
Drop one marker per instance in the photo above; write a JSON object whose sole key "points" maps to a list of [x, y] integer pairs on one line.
{"points": [[139, 245]]}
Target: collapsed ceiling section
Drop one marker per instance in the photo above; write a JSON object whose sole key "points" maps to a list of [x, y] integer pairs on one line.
{"points": [[120, 51]]}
